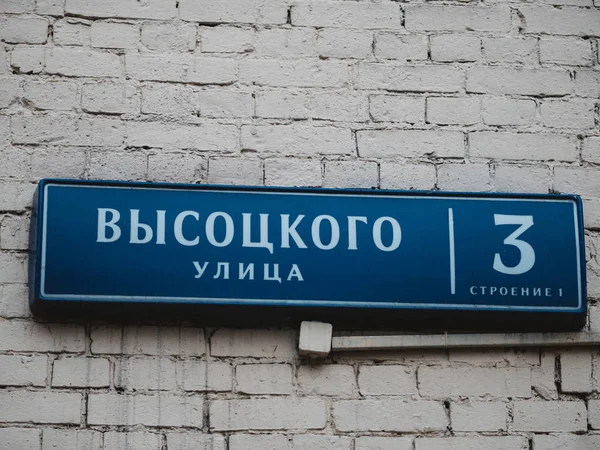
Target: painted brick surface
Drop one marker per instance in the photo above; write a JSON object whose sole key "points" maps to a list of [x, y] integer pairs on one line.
{"points": [[473, 96]]}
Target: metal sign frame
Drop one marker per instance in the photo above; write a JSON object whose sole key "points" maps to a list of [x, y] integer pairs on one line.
{"points": [[421, 314]]}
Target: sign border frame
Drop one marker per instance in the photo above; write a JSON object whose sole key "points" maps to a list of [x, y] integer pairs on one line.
{"points": [[38, 235]]}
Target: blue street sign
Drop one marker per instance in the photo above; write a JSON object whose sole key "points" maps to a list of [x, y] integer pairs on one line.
{"points": [[384, 251]]}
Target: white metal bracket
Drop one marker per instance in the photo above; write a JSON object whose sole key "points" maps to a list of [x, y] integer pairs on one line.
{"points": [[317, 340]]}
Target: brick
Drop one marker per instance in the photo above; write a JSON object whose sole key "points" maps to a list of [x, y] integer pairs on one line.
{"points": [[340, 43], [284, 104], [17, 197], [23, 30], [518, 357], [320, 442], [591, 213], [570, 2], [59, 162], [227, 39], [383, 443], [10, 92], [67, 130], [465, 177], [150, 410], [457, 18], [346, 15], [170, 100], [117, 165], [261, 441], [499, 80], [511, 178], [196, 441], [14, 301], [386, 380], [75, 62], [151, 9], [591, 149], [563, 441], [23, 370], [397, 108], [51, 95], [115, 35], [81, 372], [274, 413], [569, 51], [576, 371], [142, 440], [593, 415], [292, 172], [17, 6], [351, 174], [142, 373], [13, 268], [473, 443], [479, 416], [543, 377], [50, 7], [576, 180], [203, 376], [110, 97], [16, 163], [420, 176], [235, 171], [285, 43], [568, 114], [294, 73], [402, 47], [28, 59], [253, 343], [3, 60], [181, 68], [206, 136], [306, 140], [508, 111], [26, 438], [511, 50], [448, 110], [177, 167], [40, 407], [455, 47], [522, 146], [148, 340], [182, 101], [25, 336], [442, 382], [53, 439], [14, 230], [68, 32], [327, 379], [166, 37], [233, 11], [587, 83], [264, 378], [410, 143], [389, 415], [552, 416], [566, 21], [409, 79], [339, 107]]}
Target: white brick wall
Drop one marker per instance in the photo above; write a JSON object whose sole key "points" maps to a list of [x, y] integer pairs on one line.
{"points": [[477, 96]]}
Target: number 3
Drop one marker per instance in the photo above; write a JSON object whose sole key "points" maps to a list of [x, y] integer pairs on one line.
{"points": [[527, 254]]}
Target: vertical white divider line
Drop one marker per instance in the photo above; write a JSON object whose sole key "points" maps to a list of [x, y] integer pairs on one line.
{"points": [[452, 262]]}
